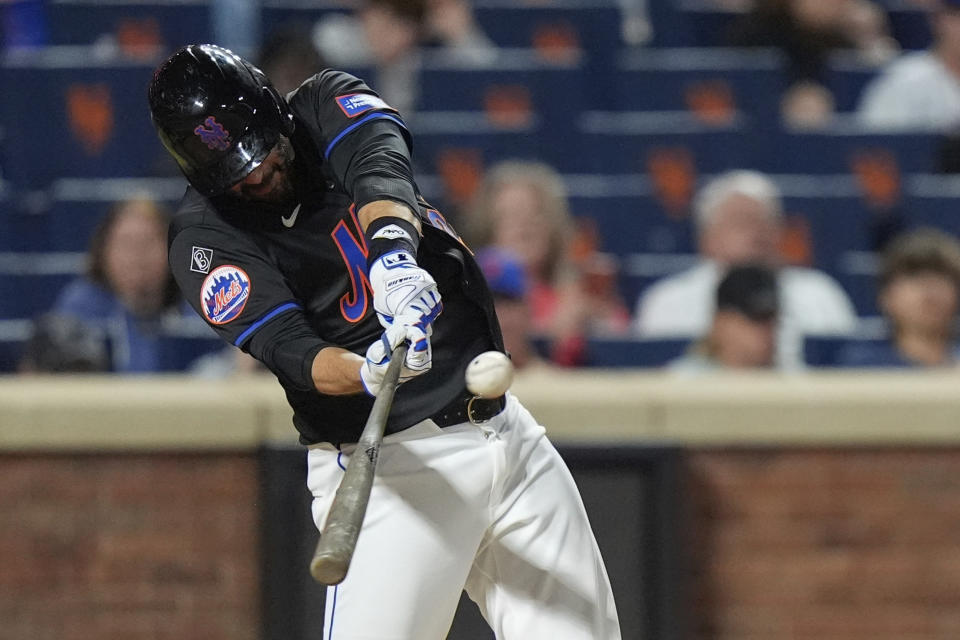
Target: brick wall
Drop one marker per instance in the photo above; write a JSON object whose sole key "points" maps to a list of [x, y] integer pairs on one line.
{"points": [[121, 547], [824, 544]]}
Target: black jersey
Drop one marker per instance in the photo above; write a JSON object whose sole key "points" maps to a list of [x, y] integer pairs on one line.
{"points": [[282, 283]]}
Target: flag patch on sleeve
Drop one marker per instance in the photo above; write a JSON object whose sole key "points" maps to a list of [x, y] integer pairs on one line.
{"points": [[353, 104]]}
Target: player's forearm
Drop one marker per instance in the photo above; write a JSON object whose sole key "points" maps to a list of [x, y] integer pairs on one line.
{"points": [[336, 372], [386, 209]]}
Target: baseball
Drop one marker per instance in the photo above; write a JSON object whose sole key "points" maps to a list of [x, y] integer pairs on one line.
{"points": [[489, 375]]}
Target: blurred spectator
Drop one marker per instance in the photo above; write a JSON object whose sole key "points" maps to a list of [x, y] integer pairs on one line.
{"points": [[385, 34], [451, 28], [742, 334], [919, 294], [64, 344], [809, 30], [807, 106], [288, 57], [128, 292], [508, 282], [390, 36], [739, 219], [920, 90], [522, 207]]}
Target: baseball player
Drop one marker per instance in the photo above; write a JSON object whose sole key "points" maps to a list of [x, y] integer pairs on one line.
{"points": [[303, 241]]}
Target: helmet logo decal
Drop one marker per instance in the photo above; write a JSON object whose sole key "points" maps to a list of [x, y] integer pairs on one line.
{"points": [[214, 136]]}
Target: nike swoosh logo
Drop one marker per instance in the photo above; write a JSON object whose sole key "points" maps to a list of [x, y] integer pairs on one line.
{"points": [[289, 221]]}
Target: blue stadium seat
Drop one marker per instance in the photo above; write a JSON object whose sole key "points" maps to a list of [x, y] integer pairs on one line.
{"points": [[933, 201], [662, 79], [632, 353], [73, 115], [846, 78], [622, 143], [25, 295], [830, 351], [83, 22], [557, 92], [835, 151]]}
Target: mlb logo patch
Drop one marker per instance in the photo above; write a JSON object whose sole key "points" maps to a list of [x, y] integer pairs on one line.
{"points": [[353, 104], [200, 259], [224, 294]]}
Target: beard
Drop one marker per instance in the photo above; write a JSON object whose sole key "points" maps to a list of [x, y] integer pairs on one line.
{"points": [[277, 185]]}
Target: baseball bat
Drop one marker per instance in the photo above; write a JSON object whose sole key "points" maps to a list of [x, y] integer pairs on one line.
{"points": [[331, 559]]}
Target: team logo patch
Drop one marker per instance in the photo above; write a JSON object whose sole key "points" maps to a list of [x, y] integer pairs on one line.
{"points": [[213, 134], [353, 104], [225, 293], [200, 259]]}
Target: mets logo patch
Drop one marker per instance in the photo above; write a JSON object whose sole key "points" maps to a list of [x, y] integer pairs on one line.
{"points": [[213, 134], [225, 293], [353, 104]]}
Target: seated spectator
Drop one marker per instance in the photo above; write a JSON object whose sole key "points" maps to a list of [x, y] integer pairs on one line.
{"points": [[919, 297], [920, 90], [807, 106], [742, 334], [809, 30], [522, 207], [451, 29], [508, 283], [64, 344], [386, 34], [739, 218], [128, 293]]}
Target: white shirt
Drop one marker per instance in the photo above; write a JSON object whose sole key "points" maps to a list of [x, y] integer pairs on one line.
{"points": [[811, 303], [915, 91]]}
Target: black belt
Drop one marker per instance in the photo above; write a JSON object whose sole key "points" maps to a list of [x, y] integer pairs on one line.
{"points": [[468, 408]]}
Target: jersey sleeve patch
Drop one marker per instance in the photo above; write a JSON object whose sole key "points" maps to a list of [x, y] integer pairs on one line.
{"points": [[225, 293], [354, 104]]}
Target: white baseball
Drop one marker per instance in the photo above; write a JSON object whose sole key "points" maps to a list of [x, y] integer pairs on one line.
{"points": [[489, 375]]}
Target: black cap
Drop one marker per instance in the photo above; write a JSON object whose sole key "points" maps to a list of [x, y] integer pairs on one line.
{"points": [[751, 290]]}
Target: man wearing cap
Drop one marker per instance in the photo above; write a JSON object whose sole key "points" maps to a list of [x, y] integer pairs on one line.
{"points": [[742, 334]]}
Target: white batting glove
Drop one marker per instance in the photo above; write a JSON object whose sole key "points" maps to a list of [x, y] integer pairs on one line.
{"points": [[418, 361], [402, 289]]}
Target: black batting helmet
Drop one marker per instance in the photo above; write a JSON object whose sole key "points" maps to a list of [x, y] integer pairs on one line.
{"points": [[217, 115]]}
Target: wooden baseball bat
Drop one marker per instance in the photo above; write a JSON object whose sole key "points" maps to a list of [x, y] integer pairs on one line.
{"points": [[331, 559]]}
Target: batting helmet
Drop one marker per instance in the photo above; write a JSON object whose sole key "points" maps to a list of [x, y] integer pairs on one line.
{"points": [[217, 115]]}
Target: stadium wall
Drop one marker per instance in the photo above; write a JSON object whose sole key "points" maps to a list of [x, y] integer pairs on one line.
{"points": [[810, 506]]}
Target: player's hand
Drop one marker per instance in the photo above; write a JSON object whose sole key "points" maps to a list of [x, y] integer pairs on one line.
{"points": [[418, 361], [403, 291]]}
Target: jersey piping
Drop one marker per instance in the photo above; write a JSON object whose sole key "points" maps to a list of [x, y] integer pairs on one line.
{"points": [[362, 121], [262, 321]]}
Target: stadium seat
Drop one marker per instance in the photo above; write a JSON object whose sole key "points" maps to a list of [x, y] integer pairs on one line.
{"points": [[751, 81], [76, 115], [129, 24]]}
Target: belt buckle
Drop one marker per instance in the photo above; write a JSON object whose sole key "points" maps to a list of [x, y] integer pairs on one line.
{"points": [[470, 417]]}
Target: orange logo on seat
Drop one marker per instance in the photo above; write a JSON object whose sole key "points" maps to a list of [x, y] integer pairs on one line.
{"points": [[90, 108]]}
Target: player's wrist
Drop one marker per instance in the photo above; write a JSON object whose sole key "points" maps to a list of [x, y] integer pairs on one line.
{"points": [[389, 234]]}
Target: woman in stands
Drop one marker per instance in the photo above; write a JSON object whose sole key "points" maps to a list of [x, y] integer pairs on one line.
{"points": [[128, 294], [522, 207]]}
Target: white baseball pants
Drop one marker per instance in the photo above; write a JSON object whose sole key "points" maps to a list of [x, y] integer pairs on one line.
{"points": [[491, 509]]}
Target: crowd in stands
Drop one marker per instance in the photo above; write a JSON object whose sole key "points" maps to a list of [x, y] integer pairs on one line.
{"points": [[745, 300]]}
